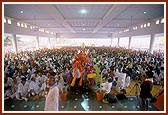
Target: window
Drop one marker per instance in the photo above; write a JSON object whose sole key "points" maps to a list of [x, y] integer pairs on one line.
{"points": [[7, 43], [124, 42], [140, 42], [26, 42], [159, 41], [43, 42]]}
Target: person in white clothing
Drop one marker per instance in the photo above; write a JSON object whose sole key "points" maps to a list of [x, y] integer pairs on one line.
{"points": [[34, 88], [52, 98], [22, 92], [127, 81], [44, 89], [107, 85], [121, 81], [107, 88]]}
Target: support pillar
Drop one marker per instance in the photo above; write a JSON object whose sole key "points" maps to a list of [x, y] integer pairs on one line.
{"points": [[118, 44], [56, 38], [111, 40], [14, 43], [49, 44], [129, 43], [37, 42], [151, 43]]}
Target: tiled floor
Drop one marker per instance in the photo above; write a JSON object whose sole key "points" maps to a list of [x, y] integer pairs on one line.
{"points": [[77, 102], [84, 102]]}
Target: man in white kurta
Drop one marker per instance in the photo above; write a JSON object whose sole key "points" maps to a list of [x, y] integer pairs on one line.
{"points": [[52, 98], [107, 86], [22, 90], [33, 86]]}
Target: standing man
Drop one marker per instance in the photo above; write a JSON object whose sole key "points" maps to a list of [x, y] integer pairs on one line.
{"points": [[52, 98], [145, 93]]}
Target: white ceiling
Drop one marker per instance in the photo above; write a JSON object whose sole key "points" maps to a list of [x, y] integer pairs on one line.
{"points": [[100, 18]]}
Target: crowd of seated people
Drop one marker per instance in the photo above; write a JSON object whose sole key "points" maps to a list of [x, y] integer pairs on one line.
{"points": [[26, 73]]}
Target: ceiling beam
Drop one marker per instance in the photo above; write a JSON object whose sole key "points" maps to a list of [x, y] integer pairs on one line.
{"points": [[53, 11], [124, 19], [39, 20], [111, 14], [81, 20]]}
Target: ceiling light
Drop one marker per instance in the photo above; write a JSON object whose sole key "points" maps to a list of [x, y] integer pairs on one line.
{"points": [[162, 20], [157, 21], [83, 29], [18, 23], [83, 11], [21, 12], [4, 20], [9, 21], [144, 12], [148, 24]]}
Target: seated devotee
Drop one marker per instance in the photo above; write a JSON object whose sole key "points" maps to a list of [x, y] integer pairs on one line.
{"points": [[22, 92], [7, 89], [14, 88], [33, 87], [106, 86], [44, 89]]}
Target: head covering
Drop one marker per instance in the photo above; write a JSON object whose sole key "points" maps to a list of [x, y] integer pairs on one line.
{"points": [[149, 74], [23, 78]]}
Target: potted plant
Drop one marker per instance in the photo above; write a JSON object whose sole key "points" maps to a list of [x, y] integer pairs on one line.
{"points": [[63, 92], [63, 95]]}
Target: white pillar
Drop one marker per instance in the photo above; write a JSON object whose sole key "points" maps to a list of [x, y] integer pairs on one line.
{"points": [[111, 42], [56, 37], [37, 42], [49, 44], [14, 43], [118, 44], [151, 43], [129, 43]]}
